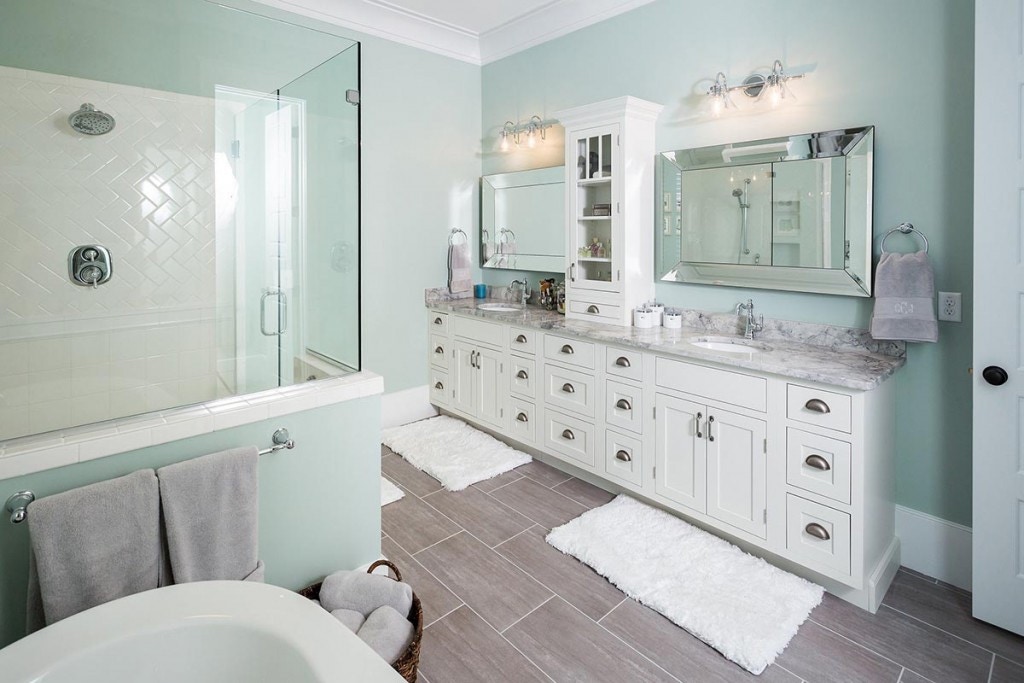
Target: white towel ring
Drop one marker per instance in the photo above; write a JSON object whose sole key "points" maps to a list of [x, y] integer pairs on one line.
{"points": [[906, 229]]}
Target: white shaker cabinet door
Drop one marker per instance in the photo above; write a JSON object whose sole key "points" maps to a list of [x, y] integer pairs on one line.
{"points": [[680, 451], [737, 469]]}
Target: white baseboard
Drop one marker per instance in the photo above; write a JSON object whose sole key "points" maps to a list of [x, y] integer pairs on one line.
{"points": [[934, 546], [403, 407]]}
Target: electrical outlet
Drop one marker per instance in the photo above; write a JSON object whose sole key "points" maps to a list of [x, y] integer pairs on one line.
{"points": [[949, 307]]}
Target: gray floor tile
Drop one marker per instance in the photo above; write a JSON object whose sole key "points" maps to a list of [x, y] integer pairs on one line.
{"points": [[543, 473], [495, 589], [436, 600], [488, 485], [817, 654], [574, 581], [585, 494], [911, 677], [917, 646], [570, 647], [1006, 672], [461, 648], [681, 654], [479, 514], [544, 506], [414, 525], [408, 477], [950, 610]]}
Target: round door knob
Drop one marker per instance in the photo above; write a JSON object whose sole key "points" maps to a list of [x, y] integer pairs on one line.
{"points": [[995, 375]]}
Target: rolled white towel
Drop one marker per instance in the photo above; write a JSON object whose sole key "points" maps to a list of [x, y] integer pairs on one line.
{"points": [[354, 620], [387, 632], [364, 593]]}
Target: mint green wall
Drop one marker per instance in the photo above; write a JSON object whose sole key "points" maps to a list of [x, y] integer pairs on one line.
{"points": [[905, 67], [319, 502]]}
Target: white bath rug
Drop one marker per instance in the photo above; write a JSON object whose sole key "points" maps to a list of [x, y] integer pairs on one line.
{"points": [[738, 604], [452, 452], [389, 493]]}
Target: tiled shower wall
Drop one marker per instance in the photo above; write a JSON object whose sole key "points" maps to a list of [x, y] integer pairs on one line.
{"points": [[145, 340]]}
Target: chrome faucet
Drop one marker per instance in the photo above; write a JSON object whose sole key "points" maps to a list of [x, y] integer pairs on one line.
{"points": [[525, 290], [751, 326]]}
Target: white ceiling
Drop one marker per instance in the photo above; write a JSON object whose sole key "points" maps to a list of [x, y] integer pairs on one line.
{"points": [[476, 31]]}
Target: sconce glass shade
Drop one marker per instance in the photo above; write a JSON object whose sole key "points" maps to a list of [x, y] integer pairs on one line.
{"points": [[718, 94]]}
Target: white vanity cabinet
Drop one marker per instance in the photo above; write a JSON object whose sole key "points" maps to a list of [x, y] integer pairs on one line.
{"points": [[474, 358]]}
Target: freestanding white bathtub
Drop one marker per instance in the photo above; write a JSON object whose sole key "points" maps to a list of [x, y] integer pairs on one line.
{"points": [[207, 632]]}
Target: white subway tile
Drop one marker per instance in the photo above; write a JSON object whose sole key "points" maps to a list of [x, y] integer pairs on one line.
{"points": [[28, 463]]}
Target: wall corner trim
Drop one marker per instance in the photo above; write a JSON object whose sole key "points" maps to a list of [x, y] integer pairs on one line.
{"points": [[935, 547]]}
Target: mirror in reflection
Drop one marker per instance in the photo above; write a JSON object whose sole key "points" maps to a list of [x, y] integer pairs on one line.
{"points": [[522, 220]]}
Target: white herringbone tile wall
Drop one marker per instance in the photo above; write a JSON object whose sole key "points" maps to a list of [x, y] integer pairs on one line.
{"points": [[144, 340]]}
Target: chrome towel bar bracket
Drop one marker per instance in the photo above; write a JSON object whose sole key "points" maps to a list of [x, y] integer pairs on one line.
{"points": [[281, 441]]}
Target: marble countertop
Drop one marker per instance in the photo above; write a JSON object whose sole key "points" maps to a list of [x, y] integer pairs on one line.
{"points": [[817, 353]]}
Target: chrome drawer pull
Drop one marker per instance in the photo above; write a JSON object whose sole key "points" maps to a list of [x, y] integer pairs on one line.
{"points": [[593, 309], [568, 435], [437, 321], [438, 385], [439, 350], [622, 362], [522, 375], [567, 349], [568, 388], [818, 531], [623, 456], [699, 434], [521, 339], [817, 462], [711, 420], [522, 417], [816, 405], [623, 404]]}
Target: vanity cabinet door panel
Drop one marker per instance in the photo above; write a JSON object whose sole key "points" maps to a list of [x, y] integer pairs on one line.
{"points": [[680, 455], [737, 470], [462, 376], [490, 397]]}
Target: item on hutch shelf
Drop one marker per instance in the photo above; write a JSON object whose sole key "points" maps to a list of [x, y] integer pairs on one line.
{"points": [[602, 209], [643, 318], [560, 297], [480, 291], [672, 319]]}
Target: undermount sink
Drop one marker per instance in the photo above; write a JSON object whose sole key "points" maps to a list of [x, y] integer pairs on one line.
{"points": [[732, 345], [508, 308]]}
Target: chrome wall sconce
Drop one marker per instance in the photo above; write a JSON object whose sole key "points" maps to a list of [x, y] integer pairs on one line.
{"points": [[530, 133], [769, 87]]}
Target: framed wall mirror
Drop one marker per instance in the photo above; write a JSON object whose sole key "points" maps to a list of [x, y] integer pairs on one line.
{"points": [[790, 213], [522, 220]]}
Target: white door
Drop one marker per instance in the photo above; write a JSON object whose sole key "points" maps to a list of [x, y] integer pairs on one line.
{"points": [[998, 325], [680, 451], [737, 468], [463, 374], [490, 407]]}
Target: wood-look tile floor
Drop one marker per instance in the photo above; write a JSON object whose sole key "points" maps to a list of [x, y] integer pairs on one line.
{"points": [[500, 604]]}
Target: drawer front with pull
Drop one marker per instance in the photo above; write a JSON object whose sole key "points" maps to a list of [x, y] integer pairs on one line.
{"points": [[718, 385], [437, 322], [439, 351], [570, 390], [818, 464], [569, 351], [624, 406], [523, 377], [598, 311], [817, 407], [523, 422], [480, 331], [817, 534], [624, 363], [623, 459], [522, 341], [569, 436], [439, 389]]}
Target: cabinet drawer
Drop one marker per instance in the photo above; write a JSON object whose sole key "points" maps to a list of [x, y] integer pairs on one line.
{"points": [[817, 534], [569, 351], [437, 322], [569, 436], [818, 464], [570, 390], [439, 351], [718, 385], [624, 363], [522, 378], [592, 309], [817, 407], [623, 458], [522, 341], [479, 331], [524, 423], [624, 406], [439, 390]]}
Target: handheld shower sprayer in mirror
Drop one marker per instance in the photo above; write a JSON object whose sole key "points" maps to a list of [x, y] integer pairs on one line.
{"points": [[88, 120]]}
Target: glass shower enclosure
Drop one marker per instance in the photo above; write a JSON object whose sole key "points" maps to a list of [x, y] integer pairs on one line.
{"points": [[202, 239]]}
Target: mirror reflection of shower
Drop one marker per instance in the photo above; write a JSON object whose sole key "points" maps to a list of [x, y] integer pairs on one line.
{"points": [[741, 196]]}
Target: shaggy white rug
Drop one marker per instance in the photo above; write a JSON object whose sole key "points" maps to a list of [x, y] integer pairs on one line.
{"points": [[738, 604], [452, 452], [389, 493]]}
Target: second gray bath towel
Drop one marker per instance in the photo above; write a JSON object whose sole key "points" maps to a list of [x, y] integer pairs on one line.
{"points": [[211, 513]]}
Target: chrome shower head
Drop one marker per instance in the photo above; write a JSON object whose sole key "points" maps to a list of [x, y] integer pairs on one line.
{"points": [[737, 192], [90, 121]]}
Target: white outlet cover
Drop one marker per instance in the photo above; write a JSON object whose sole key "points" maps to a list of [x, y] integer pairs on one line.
{"points": [[950, 307]]}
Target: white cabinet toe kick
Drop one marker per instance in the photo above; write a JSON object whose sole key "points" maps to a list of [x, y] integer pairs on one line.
{"points": [[796, 472]]}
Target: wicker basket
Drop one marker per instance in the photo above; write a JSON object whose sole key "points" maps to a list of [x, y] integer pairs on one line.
{"points": [[407, 664]]}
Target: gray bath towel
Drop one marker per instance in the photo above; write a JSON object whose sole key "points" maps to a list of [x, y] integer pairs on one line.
{"points": [[387, 632], [351, 618], [905, 298], [211, 512], [460, 263], [364, 592], [92, 545]]}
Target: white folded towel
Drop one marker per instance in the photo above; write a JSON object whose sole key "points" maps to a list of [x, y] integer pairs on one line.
{"points": [[387, 632], [351, 618], [904, 298], [362, 592]]}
